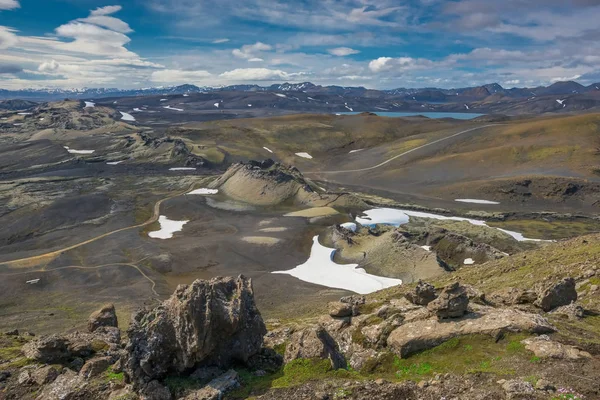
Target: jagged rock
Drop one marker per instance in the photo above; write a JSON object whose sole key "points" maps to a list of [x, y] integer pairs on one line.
{"points": [[106, 316], [513, 296], [155, 391], [208, 322], [339, 309], [24, 377], [451, 303], [49, 349], [216, 388], [543, 347], [572, 311], [14, 332], [45, 375], [95, 367], [354, 300], [516, 388], [420, 335], [65, 387], [422, 295], [314, 342], [556, 294]]}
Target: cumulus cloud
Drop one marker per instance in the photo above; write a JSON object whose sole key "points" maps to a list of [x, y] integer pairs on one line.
{"points": [[9, 4], [255, 74], [177, 76], [249, 51], [342, 51]]}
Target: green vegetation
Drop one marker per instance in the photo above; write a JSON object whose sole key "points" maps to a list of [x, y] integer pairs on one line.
{"points": [[112, 376], [179, 384]]}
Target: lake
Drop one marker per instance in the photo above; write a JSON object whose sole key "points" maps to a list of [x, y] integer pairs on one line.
{"points": [[433, 115]]}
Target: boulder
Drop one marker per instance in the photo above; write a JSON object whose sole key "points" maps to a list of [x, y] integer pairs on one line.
{"points": [[14, 332], [452, 302], [516, 389], [512, 296], [106, 316], [572, 311], [48, 349], [45, 375], [66, 386], [557, 294], [314, 342], [415, 336], [24, 377], [217, 388], [212, 322], [153, 390], [340, 310], [95, 367], [422, 294], [4, 375], [543, 347]]}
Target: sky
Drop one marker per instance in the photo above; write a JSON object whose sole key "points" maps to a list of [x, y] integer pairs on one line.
{"points": [[380, 44]]}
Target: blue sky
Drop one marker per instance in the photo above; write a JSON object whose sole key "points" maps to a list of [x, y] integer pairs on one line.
{"points": [[376, 44]]}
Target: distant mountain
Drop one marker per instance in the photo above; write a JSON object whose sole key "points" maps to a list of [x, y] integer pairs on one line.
{"points": [[435, 95]]}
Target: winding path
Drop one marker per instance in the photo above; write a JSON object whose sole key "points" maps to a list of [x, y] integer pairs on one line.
{"points": [[55, 253], [402, 154]]}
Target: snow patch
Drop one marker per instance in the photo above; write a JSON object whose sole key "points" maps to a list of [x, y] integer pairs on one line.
{"points": [[72, 151], [280, 95], [24, 113], [349, 225], [468, 261], [426, 248], [321, 270], [216, 105], [167, 228], [204, 191], [114, 162], [304, 155], [164, 99], [173, 108], [89, 104], [126, 116], [476, 201], [267, 149], [355, 151], [182, 169]]}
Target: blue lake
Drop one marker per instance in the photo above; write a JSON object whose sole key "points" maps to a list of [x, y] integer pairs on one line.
{"points": [[433, 115]]}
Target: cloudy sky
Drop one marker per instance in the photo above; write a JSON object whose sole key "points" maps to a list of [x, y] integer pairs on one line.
{"points": [[371, 43]]}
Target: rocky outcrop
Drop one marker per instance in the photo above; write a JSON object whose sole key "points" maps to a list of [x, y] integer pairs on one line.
{"points": [[517, 389], [268, 183], [424, 334], [212, 322], [105, 316], [314, 342], [451, 303], [557, 294], [337, 309], [544, 347], [512, 296], [422, 294]]}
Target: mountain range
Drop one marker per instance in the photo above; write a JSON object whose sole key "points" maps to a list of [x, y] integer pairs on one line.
{"points": [[419, 94]]}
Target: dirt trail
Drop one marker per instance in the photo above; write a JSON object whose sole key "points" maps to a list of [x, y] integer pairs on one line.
{"points": [[402, 154], [34, 260]]}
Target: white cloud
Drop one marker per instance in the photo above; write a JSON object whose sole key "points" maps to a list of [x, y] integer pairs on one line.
{"points": [[107, 10], [342, 51], [255, 74], [249, 51], [7, 38], [9, 4], [256, 59], [222, 40], [175, 76]]}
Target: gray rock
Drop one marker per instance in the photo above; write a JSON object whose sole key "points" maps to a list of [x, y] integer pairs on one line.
{"points": [[155, 391], [572, 311], [48, 349], [557, 294], [45, 375], [14, 332], [65, 387], [95, 367], [422, 295], [106, 316], [513, 296], [516, 388], [452, 302], [212, 322], [314, 342], [24, 377], [217, 388], [4, 375], [543, 347], [340, 310]]}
